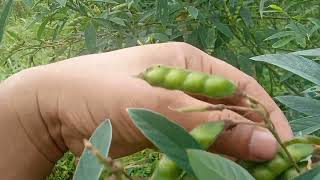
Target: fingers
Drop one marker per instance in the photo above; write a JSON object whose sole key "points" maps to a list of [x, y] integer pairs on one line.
{"points": [[247, 142], [243, 141], [197, 60]]}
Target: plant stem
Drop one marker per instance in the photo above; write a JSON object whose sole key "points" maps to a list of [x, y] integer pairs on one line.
{"points": [[106, 161], [270, 126], [218, 107], [254, 106]]}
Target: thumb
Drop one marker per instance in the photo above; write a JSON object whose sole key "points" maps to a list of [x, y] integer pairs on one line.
{"points": [[244, 141]]}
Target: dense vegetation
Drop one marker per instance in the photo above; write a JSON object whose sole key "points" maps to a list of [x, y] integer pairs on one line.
{"points": [[43, 31]]}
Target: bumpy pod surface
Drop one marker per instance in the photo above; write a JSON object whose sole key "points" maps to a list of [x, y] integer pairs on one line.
{"points": [[291, 173], [205, 134], [279, 164], [188, 81]]}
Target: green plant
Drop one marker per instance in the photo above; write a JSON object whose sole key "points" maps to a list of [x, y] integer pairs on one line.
{"points": [[278, 165], [41, 32], [204, 134], [179, 161], [177, 145]]}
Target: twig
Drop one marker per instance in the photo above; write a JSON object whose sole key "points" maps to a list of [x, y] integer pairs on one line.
{"points": [[254, 106], [108, 162], [218, 107], [270, 126]]}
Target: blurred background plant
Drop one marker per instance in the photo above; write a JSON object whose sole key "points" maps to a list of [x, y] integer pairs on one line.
{"points": [[35, 32]]}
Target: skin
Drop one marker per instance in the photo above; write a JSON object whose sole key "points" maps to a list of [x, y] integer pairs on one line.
{"points": [[47, 110]]}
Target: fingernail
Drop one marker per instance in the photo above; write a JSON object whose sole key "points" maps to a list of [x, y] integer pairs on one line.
{"points": [[263, 146]]}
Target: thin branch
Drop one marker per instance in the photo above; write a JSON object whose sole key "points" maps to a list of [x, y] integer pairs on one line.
{"points": [[106, 161]]}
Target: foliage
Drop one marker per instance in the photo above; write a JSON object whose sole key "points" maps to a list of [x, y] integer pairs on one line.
{"points": [[64, 168], [307, 121], [88, 166], [203, 164], [231, 30], [42, 32]]}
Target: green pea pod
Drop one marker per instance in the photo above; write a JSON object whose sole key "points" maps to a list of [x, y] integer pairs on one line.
{"points": [[299, 151], [273, 168], [308, 139], [262, 173], [291, 173], [192, 82], [205, 134], [166, 170]]}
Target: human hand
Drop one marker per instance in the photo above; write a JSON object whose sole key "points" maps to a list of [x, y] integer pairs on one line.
{"points": [[73, 96]]}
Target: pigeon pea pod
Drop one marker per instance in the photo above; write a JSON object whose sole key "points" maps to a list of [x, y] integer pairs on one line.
{"points": [[273, 168], [205, 134], [188, 81]]}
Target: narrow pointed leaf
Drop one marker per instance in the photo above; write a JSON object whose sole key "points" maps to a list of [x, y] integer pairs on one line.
{"points": [[4, 16], [62, 2], [282, 42], [193, 12], [298, 65], [306, 125], [304, 105], [309, 52], [168, 136], [245, 14], [261, 7], [118, 21], [90, 37], [162, 10], [89, 167], [212, 166], [280, 35]]}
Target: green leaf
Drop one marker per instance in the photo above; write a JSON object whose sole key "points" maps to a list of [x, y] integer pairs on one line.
{"points": [[211, 38], [276, 7], [309, 52], [301, 41], [261, 7], [298, 28], [280, 35], [298, 65], [313, 174], [282, 42], [106, 1], [245, 14], [117, 20], [89, 167], [193, 12], [162, 37], [315, 21], [90, 37], [313, 92], [306, 125], [211, 166], [62, 2], [42, 26], [304, 105], [4, 16], [205, 134], [28, 2], [223, 28], [286, 76], [162, 10], [169, 137]]}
